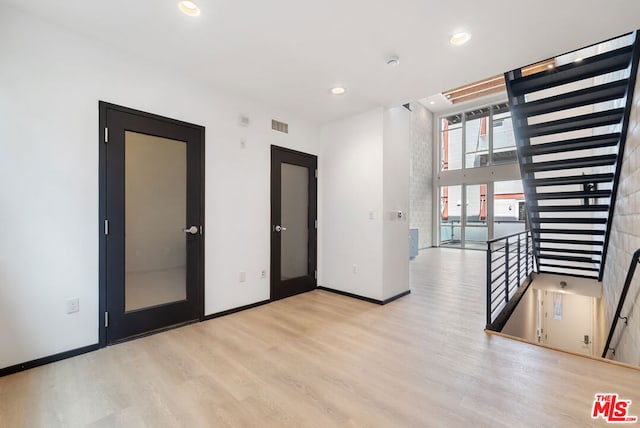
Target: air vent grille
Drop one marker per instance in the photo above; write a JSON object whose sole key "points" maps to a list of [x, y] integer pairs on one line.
{"points": [[280, 126]]}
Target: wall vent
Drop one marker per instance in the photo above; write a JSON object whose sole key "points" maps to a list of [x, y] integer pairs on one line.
{"points": [[280, 126]]}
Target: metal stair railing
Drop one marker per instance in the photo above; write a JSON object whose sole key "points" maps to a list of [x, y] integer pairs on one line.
{"points": [[623, 296], [510, 263]]}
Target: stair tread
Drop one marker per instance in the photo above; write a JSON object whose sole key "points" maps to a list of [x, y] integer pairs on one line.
{"points": [[573, 179], [590, 269], [574, 123], [592, 142], [568, 258], [582, 162], [568, 231], [605, 193], [570, 220], [570, 241], [607, 62], [582, 97], [570, 251], [570, 208], [568, 274]]}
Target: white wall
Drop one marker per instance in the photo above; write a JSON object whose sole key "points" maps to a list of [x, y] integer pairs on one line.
{"points": [[396, 161], [51, 83], [364, 181], [522, 322], [623, 242], [350, 180]]}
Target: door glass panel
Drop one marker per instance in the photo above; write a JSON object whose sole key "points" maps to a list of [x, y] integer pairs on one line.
{"points": [[450, 216], [475, 231], [294, 220], [155, 217]]}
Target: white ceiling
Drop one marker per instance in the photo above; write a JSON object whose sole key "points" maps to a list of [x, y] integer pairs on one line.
{"points": [[289, 53]]}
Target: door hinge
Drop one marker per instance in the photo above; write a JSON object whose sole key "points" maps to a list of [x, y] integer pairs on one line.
{"points": [[106, 319], [316, 223], [315, 274], [106, 227], [106, 135], [316, 173]]}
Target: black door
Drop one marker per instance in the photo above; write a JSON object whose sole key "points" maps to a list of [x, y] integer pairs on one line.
{"points": [[293, 222], [151, 206]]}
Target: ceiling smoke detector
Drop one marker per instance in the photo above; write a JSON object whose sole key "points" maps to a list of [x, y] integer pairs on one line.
{"points": [[393, 61]]}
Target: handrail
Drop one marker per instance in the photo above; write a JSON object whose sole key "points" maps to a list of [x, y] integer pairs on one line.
{"points": [[623, 296], [507, 271], [505, 237]]}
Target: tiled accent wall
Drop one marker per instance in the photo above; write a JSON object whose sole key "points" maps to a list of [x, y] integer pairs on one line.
{"points": [[421, 180], [624, 241]]}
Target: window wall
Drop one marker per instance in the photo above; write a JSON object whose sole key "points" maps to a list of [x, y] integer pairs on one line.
{"points": [[477, 138], [479, 182]]}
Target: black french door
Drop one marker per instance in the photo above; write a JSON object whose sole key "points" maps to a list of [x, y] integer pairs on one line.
{"points": [[152, 219], [293, 222]]}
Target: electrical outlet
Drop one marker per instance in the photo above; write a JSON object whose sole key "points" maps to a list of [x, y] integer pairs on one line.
{"points": [[263, 274], [73, 305], [243, 276]]}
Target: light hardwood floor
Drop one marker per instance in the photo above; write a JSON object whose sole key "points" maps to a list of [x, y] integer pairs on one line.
{"points": [[324, 360]]}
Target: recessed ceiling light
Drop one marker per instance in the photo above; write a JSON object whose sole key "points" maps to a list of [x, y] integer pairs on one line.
{"points": [[432, 102], [578, 60], [549, 66], [189, 8], [460, 38], [338, 90]]}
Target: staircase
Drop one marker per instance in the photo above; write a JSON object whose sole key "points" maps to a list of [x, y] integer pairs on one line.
{"points": [[570, 125]]}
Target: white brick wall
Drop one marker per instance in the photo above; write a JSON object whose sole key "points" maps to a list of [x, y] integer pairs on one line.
{"points": [[421, 181], [624, 241]]}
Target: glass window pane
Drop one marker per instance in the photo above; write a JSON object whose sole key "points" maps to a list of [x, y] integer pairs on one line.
{"points": [[509, 214], [504, 143], [155, 216], [451, 143], [294, 217], [476, 138], [450, 216]]}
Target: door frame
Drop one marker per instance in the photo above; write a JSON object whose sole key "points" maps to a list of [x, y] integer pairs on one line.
{"points": [[311, 161], [103, 108]]}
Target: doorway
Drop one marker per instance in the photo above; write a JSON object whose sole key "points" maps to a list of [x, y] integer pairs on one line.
{"points": [[463, 216], [151, 222], [566, 321], [293, 222]]}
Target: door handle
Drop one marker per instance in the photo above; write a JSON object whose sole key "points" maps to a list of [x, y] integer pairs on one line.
{"points": [[279, 228], [192, 230]]}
